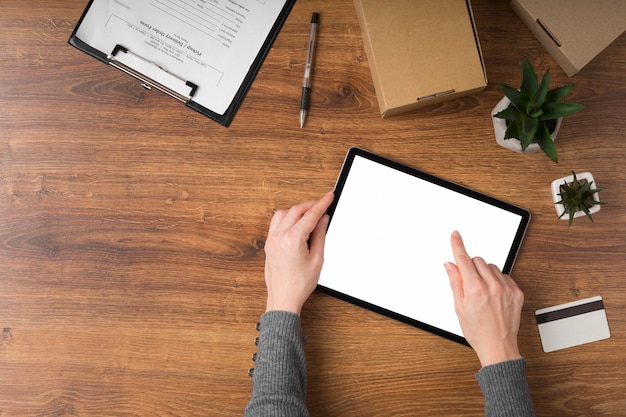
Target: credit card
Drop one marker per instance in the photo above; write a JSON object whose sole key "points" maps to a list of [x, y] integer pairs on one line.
{"points": [[572, 324]]}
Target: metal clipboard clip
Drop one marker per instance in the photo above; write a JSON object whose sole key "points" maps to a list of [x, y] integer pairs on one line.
{"points": [[151, 75]]}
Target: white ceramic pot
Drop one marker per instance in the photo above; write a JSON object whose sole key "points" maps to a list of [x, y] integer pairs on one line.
{"points": [[556, 196], [499, 128]]}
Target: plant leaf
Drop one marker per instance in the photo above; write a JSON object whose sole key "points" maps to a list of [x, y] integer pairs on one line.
{"points": [[540, 95], [516, 97], [556, 110], [586, 210], [529, 129], [571, 217], [558, 93], [546, 143], [525, 140], [513, 130], [510, 113], [529, 79]]}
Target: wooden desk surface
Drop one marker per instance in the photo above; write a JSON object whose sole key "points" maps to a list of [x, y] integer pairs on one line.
{"points": [[132, 228]]}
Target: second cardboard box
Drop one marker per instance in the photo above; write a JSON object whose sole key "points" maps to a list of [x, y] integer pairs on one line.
{"points": [[420, 53]]}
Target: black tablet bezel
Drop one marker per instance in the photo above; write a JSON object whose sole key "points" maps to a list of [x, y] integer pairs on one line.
{"points": [[341, 181]]}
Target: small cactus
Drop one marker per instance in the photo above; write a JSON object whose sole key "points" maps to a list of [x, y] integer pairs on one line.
{"points": [[577, 196]]}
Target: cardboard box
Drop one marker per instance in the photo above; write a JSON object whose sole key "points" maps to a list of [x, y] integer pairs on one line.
{"points": [[420, 52], [573, 31]]}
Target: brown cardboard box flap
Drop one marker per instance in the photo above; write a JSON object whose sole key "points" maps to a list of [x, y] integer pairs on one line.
{"points": [[420, 50], [573, 31]]}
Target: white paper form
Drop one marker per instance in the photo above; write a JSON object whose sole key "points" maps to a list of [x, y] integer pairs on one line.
{"points": [[211, 43]]}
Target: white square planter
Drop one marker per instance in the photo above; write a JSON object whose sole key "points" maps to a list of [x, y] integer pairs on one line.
{"points": [[556, 185]]}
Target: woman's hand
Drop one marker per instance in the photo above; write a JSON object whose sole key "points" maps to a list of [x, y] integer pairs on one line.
{"points": [[488, 304], [294, 252]]}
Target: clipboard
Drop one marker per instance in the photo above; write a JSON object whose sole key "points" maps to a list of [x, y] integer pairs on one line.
{"points": [[389, 237], [177, 36]]}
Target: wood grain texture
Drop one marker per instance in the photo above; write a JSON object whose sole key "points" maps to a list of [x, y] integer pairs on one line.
{"points": [[132, 228]]}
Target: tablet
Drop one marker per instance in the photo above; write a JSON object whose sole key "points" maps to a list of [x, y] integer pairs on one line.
{"points": [[389, 237]]}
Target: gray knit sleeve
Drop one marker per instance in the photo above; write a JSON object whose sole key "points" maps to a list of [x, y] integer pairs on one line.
{"points": [[505, 388], [279, 379]]}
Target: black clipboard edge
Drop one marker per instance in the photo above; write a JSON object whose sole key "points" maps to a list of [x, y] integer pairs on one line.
{"points": [[223, 119], [254, 68], [229, 114], [77, 43], [508, 266]]}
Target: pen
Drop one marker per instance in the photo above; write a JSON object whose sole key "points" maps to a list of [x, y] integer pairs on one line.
{"points": [[306, 85]]}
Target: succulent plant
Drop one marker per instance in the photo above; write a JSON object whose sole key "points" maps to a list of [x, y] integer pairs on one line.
{"points": [[577, 196], [532, 105]]}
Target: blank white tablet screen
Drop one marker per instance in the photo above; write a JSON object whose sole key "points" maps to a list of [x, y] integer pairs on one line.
{"points": [[389, 238]]}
